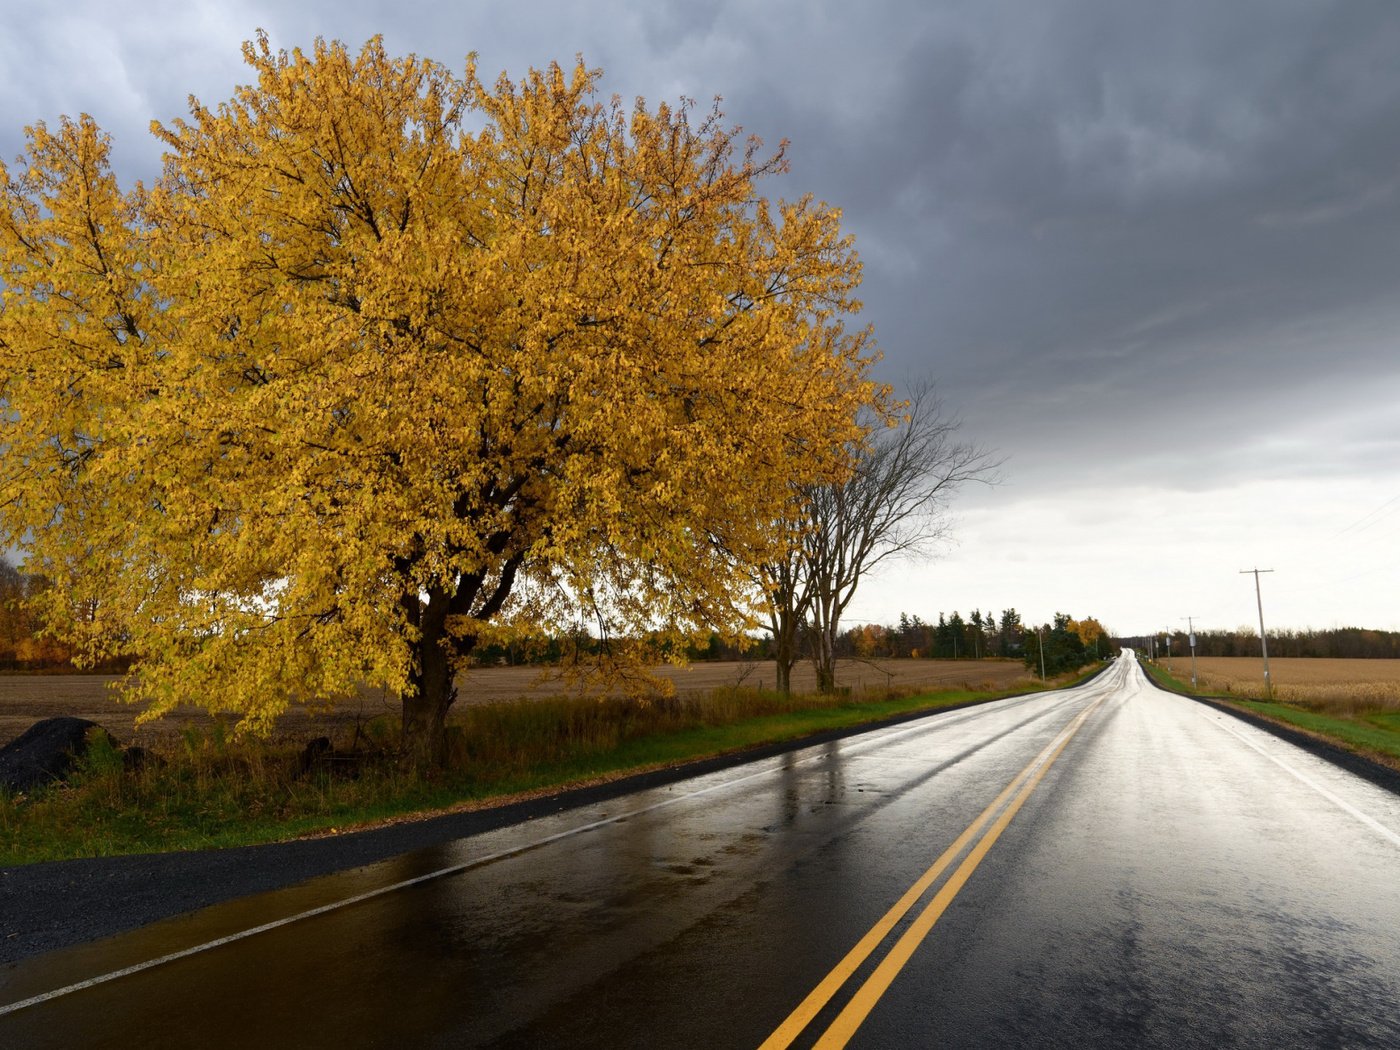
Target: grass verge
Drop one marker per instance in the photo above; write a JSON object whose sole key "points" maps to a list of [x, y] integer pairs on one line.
{"points": [[212, 792], [1372, 734]]}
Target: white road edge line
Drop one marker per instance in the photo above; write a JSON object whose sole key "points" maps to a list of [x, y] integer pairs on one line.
{"points": [[219, 942], [360, 897], [1370, 822]]}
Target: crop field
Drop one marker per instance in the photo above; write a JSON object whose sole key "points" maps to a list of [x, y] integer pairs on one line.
{"points": [[1340, 687], [24, 699]]}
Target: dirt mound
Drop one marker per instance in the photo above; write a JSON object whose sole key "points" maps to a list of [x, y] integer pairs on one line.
{"points": [[46, 752]]}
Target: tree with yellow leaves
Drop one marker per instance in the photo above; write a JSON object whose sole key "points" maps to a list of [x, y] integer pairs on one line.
{"points": [[1092, 633], [389, 363]]}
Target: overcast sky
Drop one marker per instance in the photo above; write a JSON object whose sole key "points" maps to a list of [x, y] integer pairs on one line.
{"points": [[1150, 252]]}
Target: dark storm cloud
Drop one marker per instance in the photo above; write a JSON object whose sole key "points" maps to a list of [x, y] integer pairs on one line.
{"points": [[1065, 209], [1058, 202], [1100, 185]]}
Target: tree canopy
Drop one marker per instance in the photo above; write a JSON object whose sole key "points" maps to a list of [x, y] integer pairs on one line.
{"points": [[388, 362]]}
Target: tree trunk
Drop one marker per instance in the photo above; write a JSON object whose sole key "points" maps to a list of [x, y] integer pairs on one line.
{"points": [[784, 623], [432, 684], [432, 688], [826, 612], [424, 722], [784, 682], [824, 659]]}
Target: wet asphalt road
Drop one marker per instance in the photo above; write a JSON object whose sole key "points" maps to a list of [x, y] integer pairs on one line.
{"points": [[1119, 867]]}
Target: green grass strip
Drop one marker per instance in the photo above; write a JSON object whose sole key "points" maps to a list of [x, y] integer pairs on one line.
{"points": [[1358, 735]]}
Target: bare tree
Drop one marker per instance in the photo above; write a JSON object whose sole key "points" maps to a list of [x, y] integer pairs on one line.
{"points": [[894, 503], [785, 584]]}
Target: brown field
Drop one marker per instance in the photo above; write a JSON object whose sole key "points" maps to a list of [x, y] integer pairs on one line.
{"points": [[24, 699], [1337, 686]]}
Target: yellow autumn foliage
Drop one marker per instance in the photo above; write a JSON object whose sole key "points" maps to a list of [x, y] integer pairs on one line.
{"points": [[388, 361], [1088, 629]]}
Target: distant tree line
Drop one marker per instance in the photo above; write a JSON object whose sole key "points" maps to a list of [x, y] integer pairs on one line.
{"points": [[21, 648], [1342, 643], [1068, 643], [23, 644], [950, 638]]}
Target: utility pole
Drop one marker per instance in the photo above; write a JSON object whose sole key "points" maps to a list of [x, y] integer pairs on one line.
{"points": [[1169, 650], [1263, 641], [1040, 635], [1191, 637]]}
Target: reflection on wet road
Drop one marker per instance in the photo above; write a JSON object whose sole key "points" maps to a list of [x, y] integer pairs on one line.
{"points": [[1103, 866]]}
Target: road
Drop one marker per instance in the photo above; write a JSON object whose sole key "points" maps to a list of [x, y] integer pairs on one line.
{"points": [[1105, 866]]}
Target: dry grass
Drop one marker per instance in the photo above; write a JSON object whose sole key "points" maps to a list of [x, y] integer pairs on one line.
{"points": [[203, 789], [24, 699], [1338, 687]]}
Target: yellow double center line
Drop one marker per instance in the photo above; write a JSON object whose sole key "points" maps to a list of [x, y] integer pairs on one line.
{"points": [[869, 993]]}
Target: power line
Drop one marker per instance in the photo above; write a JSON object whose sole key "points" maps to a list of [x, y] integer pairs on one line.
{"points": [[1369, 514], [1369, 573]]}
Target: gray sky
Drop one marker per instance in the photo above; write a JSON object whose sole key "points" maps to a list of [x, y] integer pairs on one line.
{"points": [[1151, 252]]}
